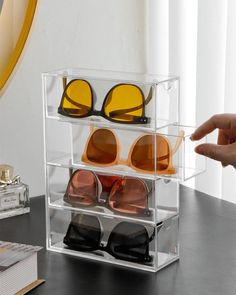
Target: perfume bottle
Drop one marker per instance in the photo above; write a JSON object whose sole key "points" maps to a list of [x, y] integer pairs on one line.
{"points": [[14, 195]]}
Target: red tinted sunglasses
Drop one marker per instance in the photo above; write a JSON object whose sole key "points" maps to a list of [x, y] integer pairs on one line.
{"points": [[121, 194]]}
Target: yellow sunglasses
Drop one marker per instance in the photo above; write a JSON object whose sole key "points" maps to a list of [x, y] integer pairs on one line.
{"points": [[124, 103]]}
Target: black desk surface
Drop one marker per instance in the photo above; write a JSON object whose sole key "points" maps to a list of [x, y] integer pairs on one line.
{"points": [[207, 262]]}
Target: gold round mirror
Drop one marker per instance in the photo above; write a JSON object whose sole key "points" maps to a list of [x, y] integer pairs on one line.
{"points": [[16, 18]]}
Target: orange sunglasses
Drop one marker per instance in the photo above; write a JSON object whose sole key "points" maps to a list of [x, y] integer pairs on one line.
{"points": [[103, 149]]}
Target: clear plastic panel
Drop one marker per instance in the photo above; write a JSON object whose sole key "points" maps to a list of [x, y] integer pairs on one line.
{"points": [[103, 96], [58, 142], [129, 198], [167, 242], [166, 199], [111, 240], [183, 159], [167, 102]]}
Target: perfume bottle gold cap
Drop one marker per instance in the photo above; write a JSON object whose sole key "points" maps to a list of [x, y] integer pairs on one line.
{"points": [[6, 172]]}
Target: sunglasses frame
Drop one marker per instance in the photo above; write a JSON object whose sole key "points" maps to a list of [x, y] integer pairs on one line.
{"points": [[105, 203], [92, 112], [147, 258], [128, 162]]}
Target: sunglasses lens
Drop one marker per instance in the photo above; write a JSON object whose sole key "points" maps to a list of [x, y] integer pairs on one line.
{"points": [[102, 147], [128, 195], [129, 241], [82, 188], [77, 99], [124, 103], [142, 156], [143, 153], [84, 233]]}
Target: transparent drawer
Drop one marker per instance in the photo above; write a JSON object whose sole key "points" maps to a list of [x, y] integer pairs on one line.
{"points": [[111, 240], [126, 197], [107, 98], [167, 154]]}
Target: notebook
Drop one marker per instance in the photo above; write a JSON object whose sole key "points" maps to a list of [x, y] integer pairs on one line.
{"points": [[18, 268]]}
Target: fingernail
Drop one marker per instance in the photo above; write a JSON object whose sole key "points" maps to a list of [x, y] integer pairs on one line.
{"points": [[199, 150], [192, 137]]}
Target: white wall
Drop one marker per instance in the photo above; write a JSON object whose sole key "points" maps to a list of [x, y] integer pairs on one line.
{"points": [[183, 20], [212, 34], [72, 33], [202, 53], [157, 36], [229, 174]]}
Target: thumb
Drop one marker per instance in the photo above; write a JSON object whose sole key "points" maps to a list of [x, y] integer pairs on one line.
{"points": [[213, 151]]}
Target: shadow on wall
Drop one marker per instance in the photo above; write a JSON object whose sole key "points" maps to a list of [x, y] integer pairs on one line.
{"points": [[1, 3]]}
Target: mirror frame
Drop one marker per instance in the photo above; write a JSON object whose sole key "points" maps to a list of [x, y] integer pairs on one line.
{"points": [[15, 55]]}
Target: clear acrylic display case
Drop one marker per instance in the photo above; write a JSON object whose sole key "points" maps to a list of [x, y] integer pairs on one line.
{"points": [[150, 156], [152, 200], [102, 237], [162, 93]]}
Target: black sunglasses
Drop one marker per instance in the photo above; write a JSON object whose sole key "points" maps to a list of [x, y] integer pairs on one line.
{"points": [[127, 241]]}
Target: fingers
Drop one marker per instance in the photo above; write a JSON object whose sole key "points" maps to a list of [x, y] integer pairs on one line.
{"points": [[226, 154], [213, 151], [221, 121], [223, 138]]}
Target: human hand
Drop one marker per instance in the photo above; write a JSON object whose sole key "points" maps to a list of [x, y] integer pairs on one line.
{"points": [[225, 149]]}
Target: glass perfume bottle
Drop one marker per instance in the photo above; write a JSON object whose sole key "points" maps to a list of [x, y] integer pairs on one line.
{"points": [[14, 195]]}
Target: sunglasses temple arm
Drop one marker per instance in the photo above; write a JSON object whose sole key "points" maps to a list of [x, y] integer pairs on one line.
{"points": [[82, 106], [64, 82], [121, 112], [158, 227], [125, 250], [149, 97], [70, 172], [148, 186], [178, 141]]}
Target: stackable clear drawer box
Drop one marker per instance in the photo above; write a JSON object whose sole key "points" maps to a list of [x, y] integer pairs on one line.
{"points": [[114, 158]]}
